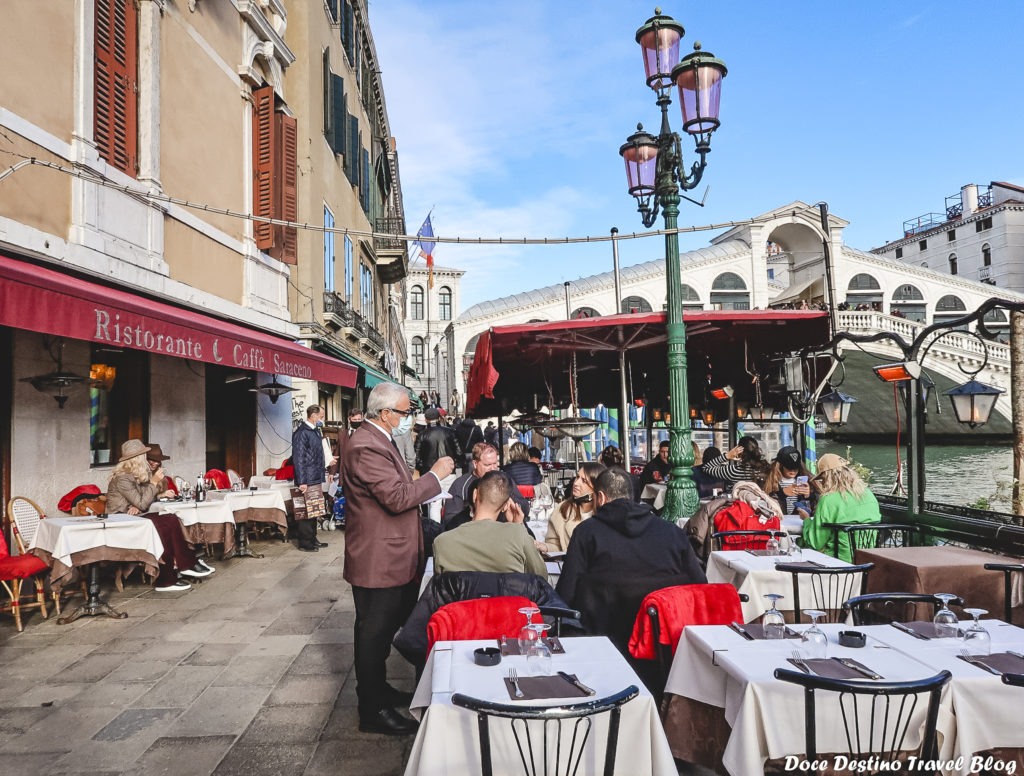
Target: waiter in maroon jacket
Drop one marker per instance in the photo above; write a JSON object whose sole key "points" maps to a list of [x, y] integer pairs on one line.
{"points": [[383, 548]]}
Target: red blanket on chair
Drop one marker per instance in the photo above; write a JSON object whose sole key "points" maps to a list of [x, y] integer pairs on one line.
{"points": [[678, 607], [220, 479], [480, 618]]}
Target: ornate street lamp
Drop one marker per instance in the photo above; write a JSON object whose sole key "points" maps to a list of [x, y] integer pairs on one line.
{"points": [[835, 407], [973, 402], [655, 174]]}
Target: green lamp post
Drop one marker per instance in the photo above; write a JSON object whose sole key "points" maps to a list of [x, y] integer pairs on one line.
{"points": [[655, 176]]}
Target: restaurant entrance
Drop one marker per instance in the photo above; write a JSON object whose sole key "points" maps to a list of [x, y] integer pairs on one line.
{"points": [[230, 421]]}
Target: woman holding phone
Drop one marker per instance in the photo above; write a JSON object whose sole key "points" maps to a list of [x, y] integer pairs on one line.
{"points": [[789, 482]]}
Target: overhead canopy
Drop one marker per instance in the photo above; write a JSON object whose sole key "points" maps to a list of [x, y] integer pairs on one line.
{"points": [[45, 300], [805, 289], [527, 366]]}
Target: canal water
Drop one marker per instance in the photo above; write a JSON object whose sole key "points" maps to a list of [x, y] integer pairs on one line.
{"points": [[954, 474]]}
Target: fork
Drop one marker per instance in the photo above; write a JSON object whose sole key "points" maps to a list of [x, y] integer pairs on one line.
{"points": [[800, 663], [513, 675], [973, 660]]}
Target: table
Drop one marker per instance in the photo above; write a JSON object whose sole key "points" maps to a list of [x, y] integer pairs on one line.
{"points": [[755, 575], [206, 522], [447, 741], [68, 542], [656, 492], [941, 570], [554, 571], [260, 506], [722, 687]]}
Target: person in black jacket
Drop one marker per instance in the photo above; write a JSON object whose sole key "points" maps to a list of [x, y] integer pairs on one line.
{"points": [[436, 442], [468, 433], [519, 468], [625, 540], [308, 460]]}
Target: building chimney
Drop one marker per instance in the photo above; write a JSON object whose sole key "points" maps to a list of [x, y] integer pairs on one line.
{"points": [[969, 198]]}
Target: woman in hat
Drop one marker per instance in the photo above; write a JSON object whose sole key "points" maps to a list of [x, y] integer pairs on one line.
{"points": [[844, 499], [782, 484], [132, 490]]}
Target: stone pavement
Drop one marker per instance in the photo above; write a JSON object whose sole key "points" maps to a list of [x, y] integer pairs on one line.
{"points": [[249, 673]]}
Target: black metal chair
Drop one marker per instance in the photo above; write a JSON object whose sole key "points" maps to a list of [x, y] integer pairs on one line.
{"points": [[557, 614], [1014, 680], [871, 536], [742, 540], [883, 608], [831, 587], [1007, 569], [546, 738], [879, 726]]}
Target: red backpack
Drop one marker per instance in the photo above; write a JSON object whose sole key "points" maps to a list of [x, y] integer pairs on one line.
{"points": [[740, 516]]}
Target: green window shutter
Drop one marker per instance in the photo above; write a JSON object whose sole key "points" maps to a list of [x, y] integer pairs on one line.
{"points": [[337, 136], [352, 155], [364, 181], [328, 95]]}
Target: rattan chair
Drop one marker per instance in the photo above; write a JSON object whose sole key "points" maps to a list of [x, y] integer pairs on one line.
{"points": [[1008, 570], [234, 479], [260, 481], [14, 570], [884, 608], [25, 515], [876, 716], [831, 587], [546, 740]]}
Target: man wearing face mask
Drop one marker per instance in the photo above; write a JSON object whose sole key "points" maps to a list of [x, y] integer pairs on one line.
{"points": [[308, 460], [383, 548]]}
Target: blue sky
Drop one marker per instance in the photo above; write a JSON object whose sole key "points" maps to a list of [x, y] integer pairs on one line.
{"points": [[509, 115]]}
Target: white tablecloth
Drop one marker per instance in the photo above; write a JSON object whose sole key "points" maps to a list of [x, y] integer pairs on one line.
{"points": [[62, 537], [655, 491], [447, 741], [755, 575], [191, 512], [717, 666], [554, 571], [237, 500]]}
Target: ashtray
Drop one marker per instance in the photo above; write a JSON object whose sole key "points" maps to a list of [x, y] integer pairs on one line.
{"points": [[852, 639], [487, 656]]}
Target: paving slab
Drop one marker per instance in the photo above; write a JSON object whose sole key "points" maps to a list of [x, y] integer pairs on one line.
{"points": [[287, 724], [213, 654], [168, 756], [179, 688], [263, 670], [321, 659], [270, 759], [220, 711], [358, 758], [294, 689]]}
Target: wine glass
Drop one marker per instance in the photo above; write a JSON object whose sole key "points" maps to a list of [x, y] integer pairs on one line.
{"points": [[772, 546], [976, 639], [539, 654], [772, 621], [814, 638], [527, 634], [946, 623]]}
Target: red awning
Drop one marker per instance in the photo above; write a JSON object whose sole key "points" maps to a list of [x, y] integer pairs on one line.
{"points": [[45, 300], [514, 365]]}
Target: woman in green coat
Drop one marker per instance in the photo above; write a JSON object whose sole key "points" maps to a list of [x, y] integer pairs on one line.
{"points": [[844, 499]]}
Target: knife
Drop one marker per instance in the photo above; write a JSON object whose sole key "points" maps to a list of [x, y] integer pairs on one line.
{"points": [[571, 679], [854, 665], [911, 631], [736, 627]]}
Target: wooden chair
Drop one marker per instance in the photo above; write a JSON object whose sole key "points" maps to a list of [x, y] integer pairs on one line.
{"points": [[15, 569], [831, 587], [540, 735], [25, 516]]}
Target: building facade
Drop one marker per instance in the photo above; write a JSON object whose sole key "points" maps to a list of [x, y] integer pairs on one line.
{"points": [[138, 295], [979, 236], [429, 312]]}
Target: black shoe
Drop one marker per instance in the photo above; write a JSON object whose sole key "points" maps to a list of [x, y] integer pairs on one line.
{"points": [[387, 722], [317, 543], [399, 698], [308, 549]]}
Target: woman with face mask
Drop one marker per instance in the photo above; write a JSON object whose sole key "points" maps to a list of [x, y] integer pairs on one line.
{"points": [[568, 515]]}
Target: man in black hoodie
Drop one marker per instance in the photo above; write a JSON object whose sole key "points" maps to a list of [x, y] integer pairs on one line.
{"points": [[624, 542]]}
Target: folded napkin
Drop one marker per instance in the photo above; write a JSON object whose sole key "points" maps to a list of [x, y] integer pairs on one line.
{"points": [[828, 667], [757, 631], [1003, 662], [806, 564], [771, 553], [511, 647], [540, 687], [441, 675], [927, 629]]}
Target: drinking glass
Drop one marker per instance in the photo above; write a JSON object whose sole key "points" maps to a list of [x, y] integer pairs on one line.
{"points": [[527, 634], [976, 639], [814, 638], [772, 546], [772, 620], [539, 655], [947, 626]]}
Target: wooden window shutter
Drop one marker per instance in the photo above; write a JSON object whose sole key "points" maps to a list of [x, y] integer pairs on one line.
{"points": [[352, 152], [115, 84], [328, 95], [338, 137], [364, 180], [286, 189], [263, 143]]}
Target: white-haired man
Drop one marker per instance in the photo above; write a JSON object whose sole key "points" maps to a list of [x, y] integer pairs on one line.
{"points": [[383, 548]]}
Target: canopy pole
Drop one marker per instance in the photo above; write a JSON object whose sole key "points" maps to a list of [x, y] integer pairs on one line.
{"points": [[624, 442], [501, 440], [568, 309]]}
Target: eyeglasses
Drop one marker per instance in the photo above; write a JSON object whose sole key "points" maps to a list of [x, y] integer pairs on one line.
{"points": [[403, 413]]}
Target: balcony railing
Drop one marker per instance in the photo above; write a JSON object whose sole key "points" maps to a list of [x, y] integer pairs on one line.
{"points": [[335, 304], [389, 225]]}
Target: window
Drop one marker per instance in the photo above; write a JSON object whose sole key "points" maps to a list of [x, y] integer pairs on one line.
{"points": [[335, 107], [417, 354], [729, 292], [923, 245], [274, 166], [907, 293], [119, 402], [986, 256], [332, 9], [771, 274], [728, 281], [585, 312], [348, 25], [951, 235], [635, 304], [348, 269], [899, 253], [952, 264], [863, 282], [983, 224], [444, 304], [416, 303], [328, 250], [366, 293], [115, 84]]}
